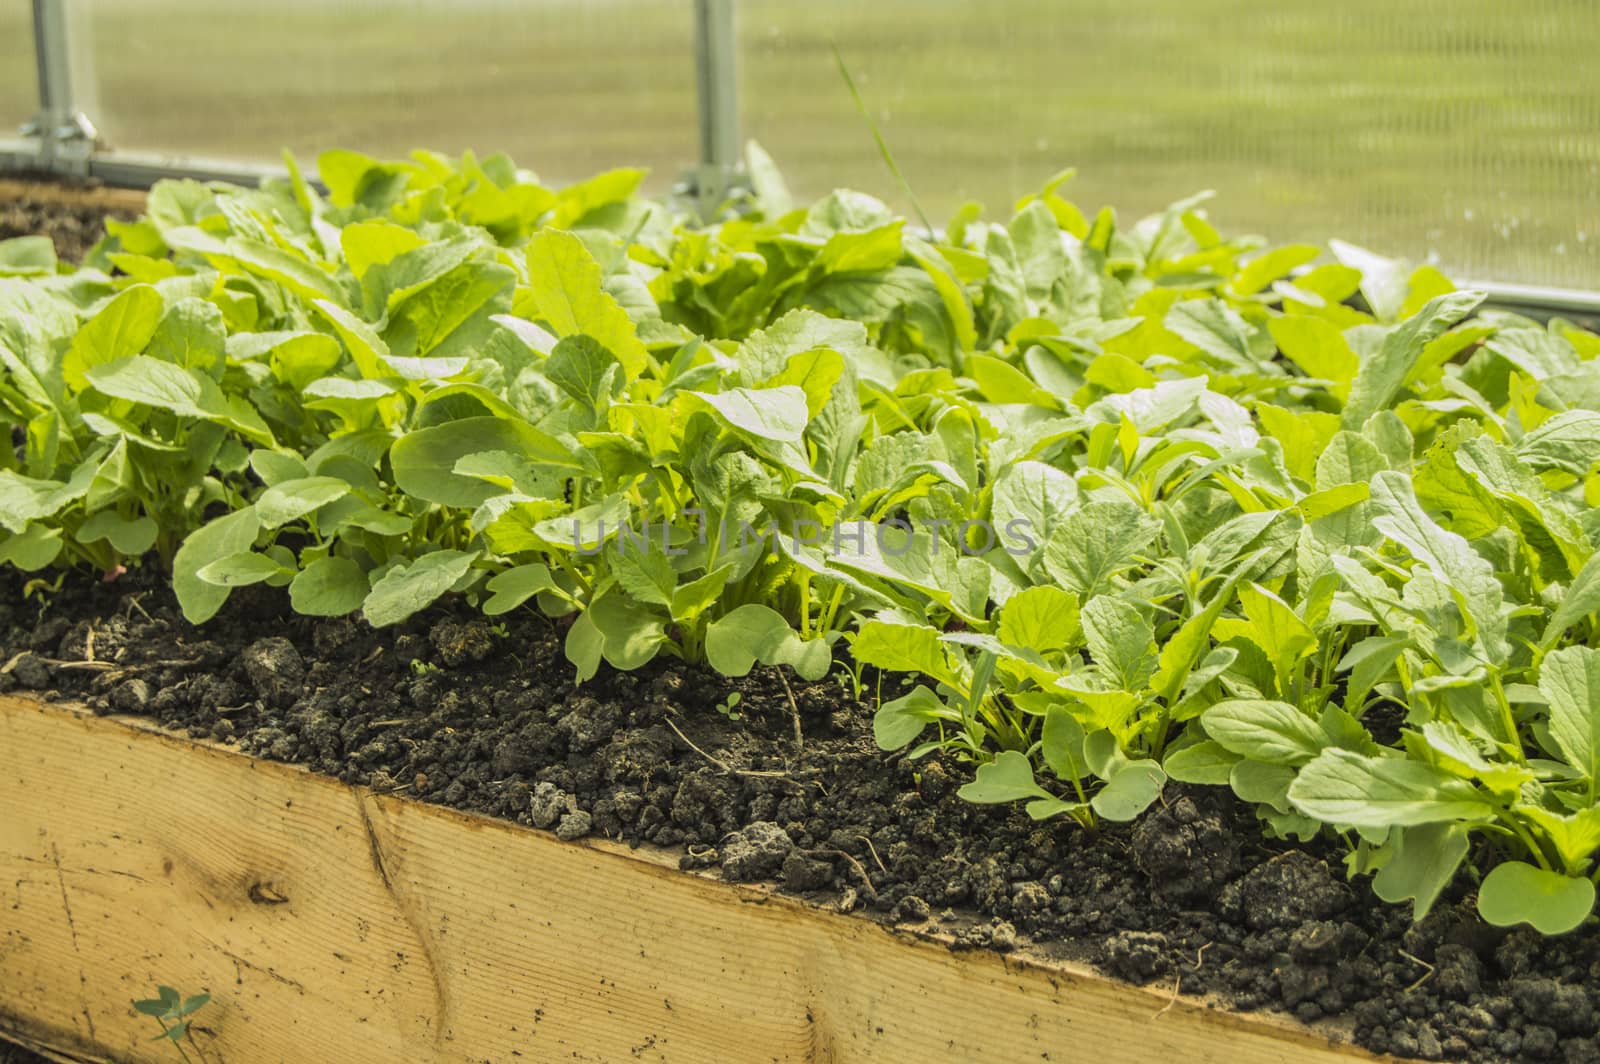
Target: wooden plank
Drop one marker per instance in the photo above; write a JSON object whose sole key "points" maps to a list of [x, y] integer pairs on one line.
{"points": [[330, 924], [48, 191]]}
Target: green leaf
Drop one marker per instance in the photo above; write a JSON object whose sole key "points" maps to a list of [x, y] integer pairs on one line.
{"points": [[329, 587], [192, 333], [514, 586], [122, 328], [130, 536], [1382, 376], [1539, 354], [407, 588], [631, 634], [1061, 744], [1031, 499], [766, 181], [1274, 732], [261, 259], [1575, 836], [1130, 791], [762, 413], [1039, 251], [1214, 328], [566, 288], [275, 467], [366, 347], [1569, 441], [30, 550], [861, 250], [753, 633], [27, 256], [1422, 862], [293, 499], [1096, 543], [1470, 576], [898, 722], [1582, 599], [1042, 618], [1569, 679], [241, 570], [1008, 778], [1270, 265], [1351, 790], [24, 499], [646, 575], [1207, 762], [951, 292], [230, 534], [587, 528], [1260, 783], [903, 648], [183, 391], [690, 600], [585, 647], [765, 352], [817, 373], [424, 460], [1186, 646], [582, 368], [1316, 346], [1518, 893], [1120, 640], [1273, 626]]}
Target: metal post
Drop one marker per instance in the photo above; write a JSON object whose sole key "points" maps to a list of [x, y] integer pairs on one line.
{"points": [[716, 60], [64, 133]]}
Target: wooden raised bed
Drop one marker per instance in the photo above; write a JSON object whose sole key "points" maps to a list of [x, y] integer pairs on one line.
{"points": [[332, 924], [50, 191]]}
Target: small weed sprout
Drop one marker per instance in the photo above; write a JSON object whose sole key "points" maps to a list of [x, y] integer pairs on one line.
{"points": [[172, 1011]]}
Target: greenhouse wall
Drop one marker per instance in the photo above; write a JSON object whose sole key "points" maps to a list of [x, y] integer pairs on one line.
{"points": [[1462, 132]]}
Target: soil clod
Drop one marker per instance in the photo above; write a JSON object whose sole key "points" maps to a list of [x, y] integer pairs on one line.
{"points": [[757, 852], [275, 670]]}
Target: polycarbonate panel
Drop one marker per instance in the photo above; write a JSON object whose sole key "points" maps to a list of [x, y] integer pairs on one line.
{"points": [[566, 87], [1465, 130], [19, 89]]}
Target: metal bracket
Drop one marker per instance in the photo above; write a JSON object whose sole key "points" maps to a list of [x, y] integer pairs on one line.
{"points": [[62, 132]]}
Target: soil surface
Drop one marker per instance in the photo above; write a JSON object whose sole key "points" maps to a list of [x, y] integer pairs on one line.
{"points": [[72, 216], [450, 709]]}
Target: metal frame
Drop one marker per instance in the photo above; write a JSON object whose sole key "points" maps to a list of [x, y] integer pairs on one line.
{"points": [[1542, 301], [62, 138], [716, 52], [62, 130]]}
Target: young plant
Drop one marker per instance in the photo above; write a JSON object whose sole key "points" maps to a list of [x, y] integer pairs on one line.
{"points": [[174, 1014]]}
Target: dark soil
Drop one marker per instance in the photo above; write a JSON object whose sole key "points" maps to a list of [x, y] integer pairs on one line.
{"points": [[15, 1054], [75, 227], [450, 710]]}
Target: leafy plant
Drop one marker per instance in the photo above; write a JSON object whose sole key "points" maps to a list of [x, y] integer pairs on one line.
{"points": [[1119, 503], [173, 1013]]}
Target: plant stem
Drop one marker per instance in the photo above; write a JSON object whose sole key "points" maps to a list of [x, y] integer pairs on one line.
{"points": [[1508, 719], [1527, 840], [175, 1045]]}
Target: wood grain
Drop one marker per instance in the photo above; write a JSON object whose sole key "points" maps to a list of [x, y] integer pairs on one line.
{"points": [[330, 924]]}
